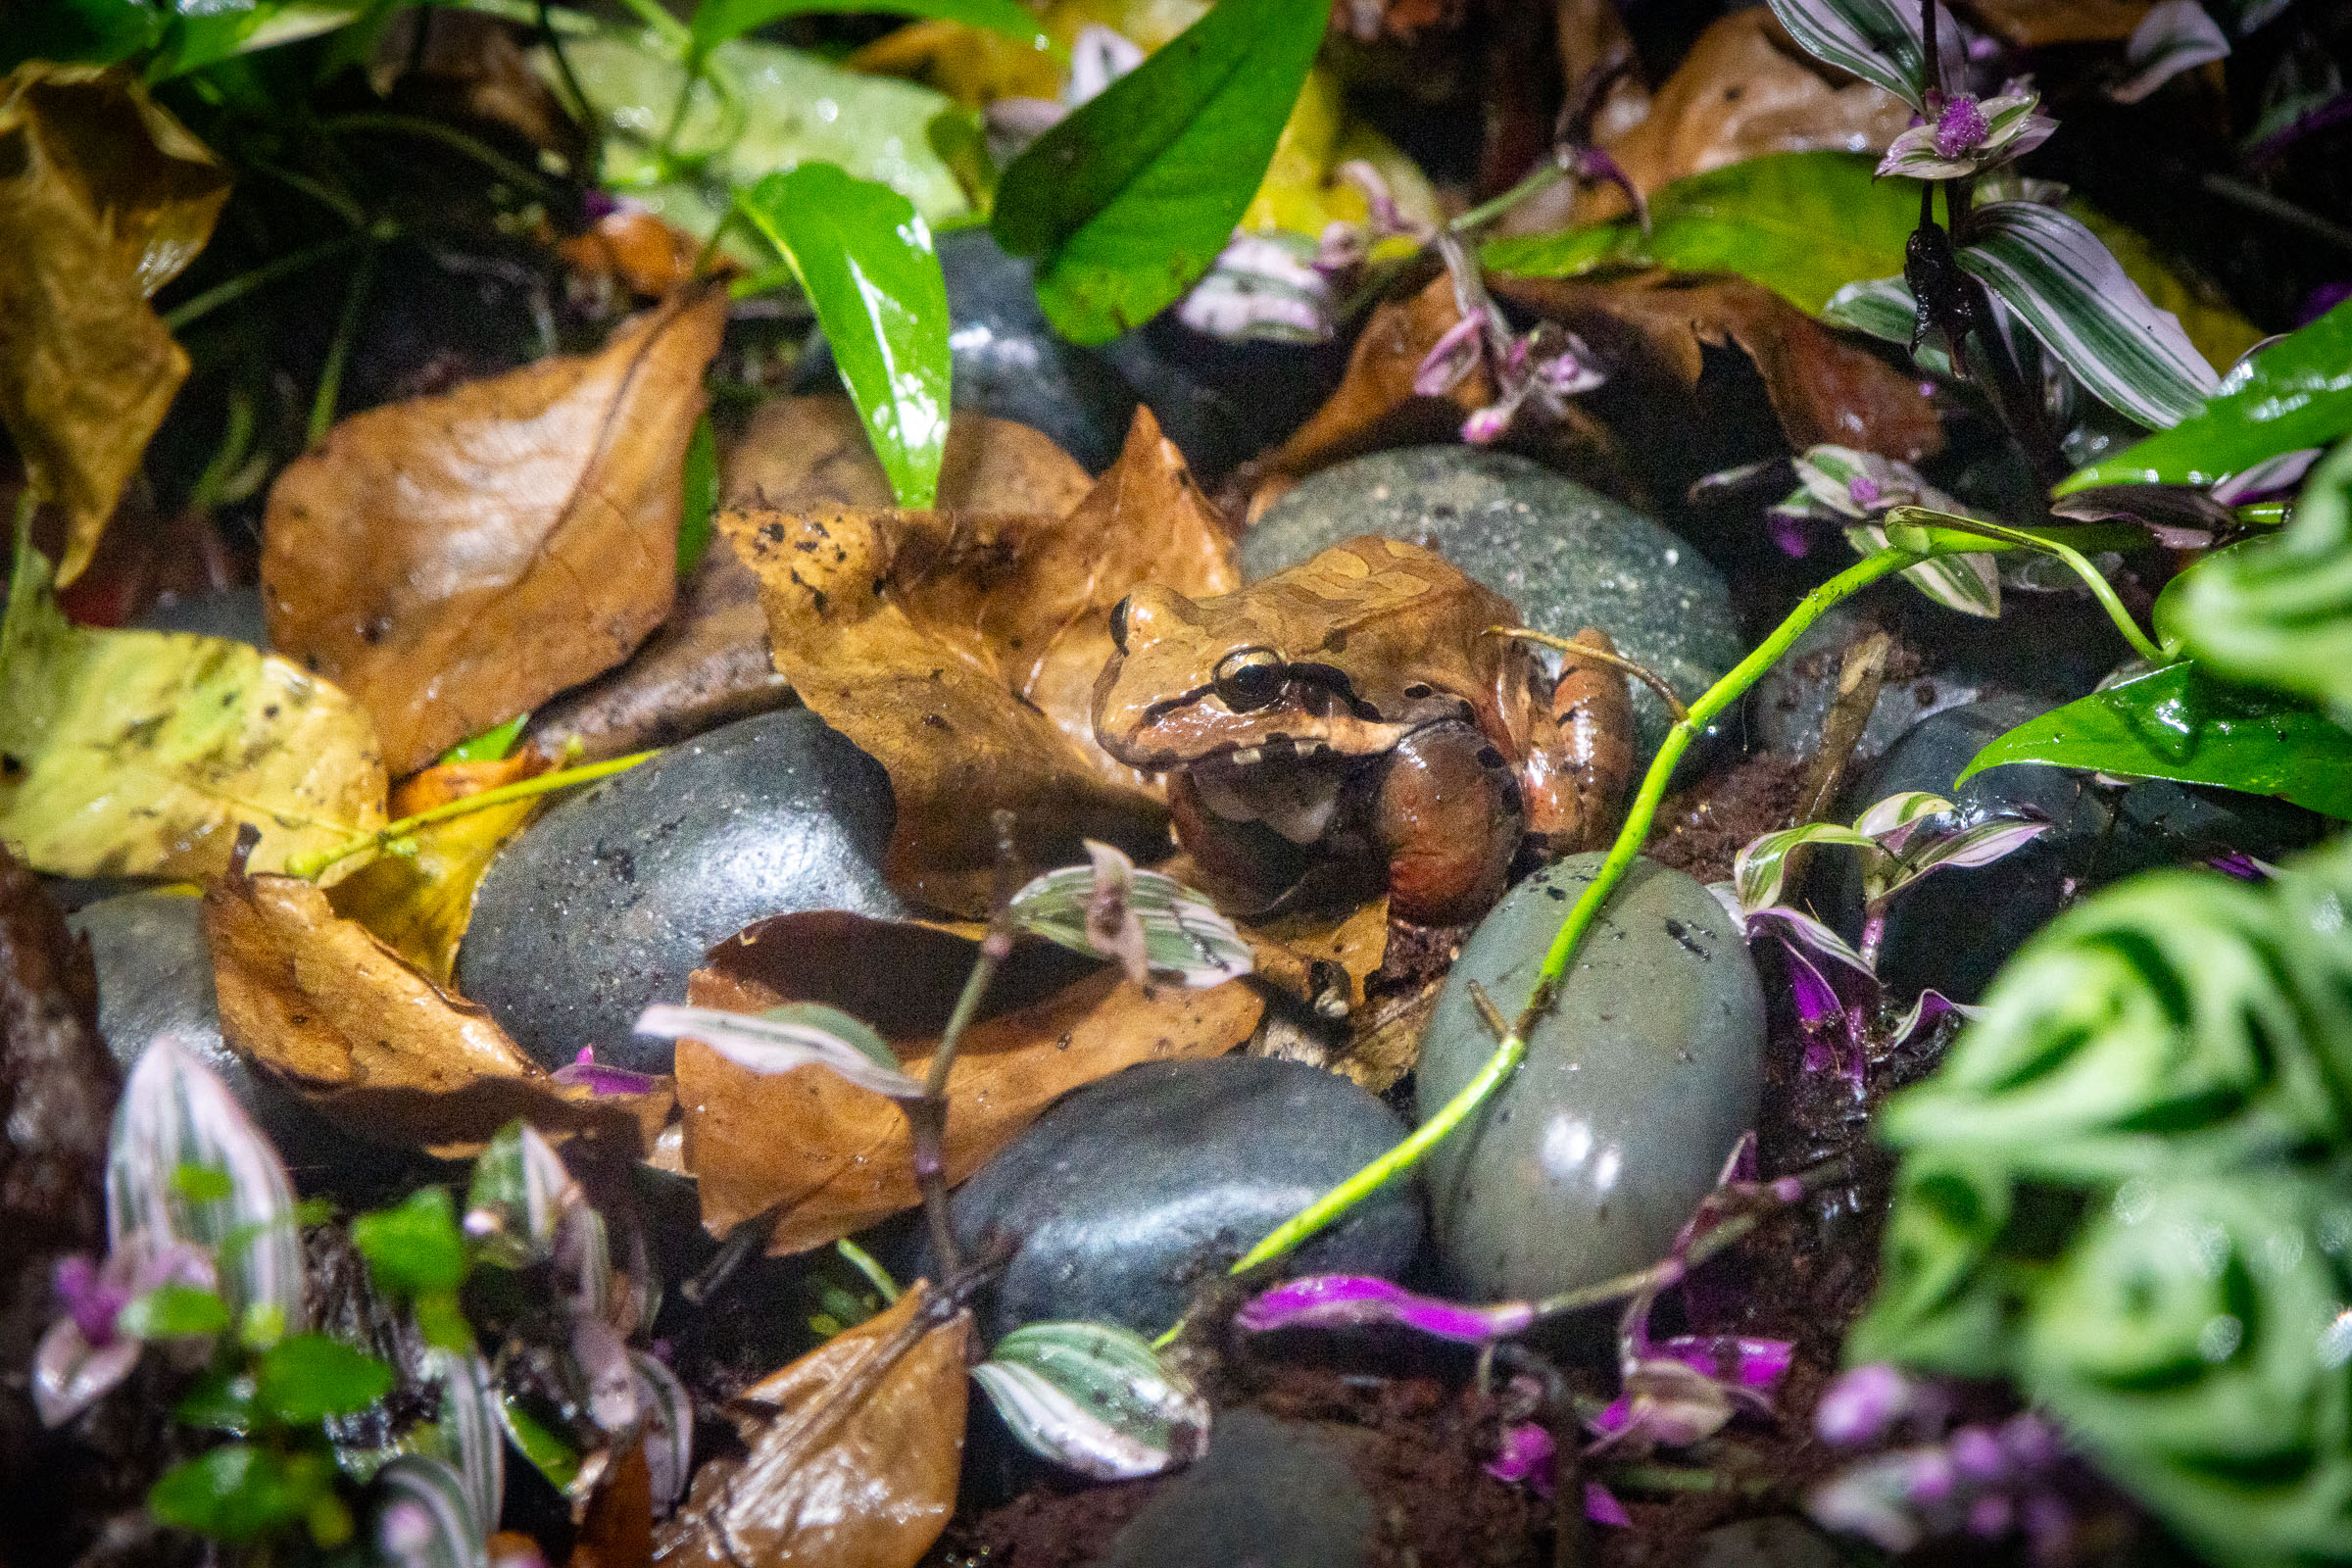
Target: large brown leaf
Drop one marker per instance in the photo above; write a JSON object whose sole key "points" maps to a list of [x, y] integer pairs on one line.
{"points": [[104, 198], [453, 560], [1375, 404], [961, 650], [325, 1006], [796, 454], [839, 1157], [855, 1451], [1823, 389]]}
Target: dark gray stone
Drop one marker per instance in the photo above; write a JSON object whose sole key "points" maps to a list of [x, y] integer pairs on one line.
{"points": [[1637, 1084], [232, 613], [154, 977], [1269, 1493], [1954, 929], [610, 900], [1568, 556], [1774, 1541], [1134, 1189]]}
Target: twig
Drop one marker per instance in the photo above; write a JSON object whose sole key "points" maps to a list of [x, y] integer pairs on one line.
{"points": [[338, 348], [1861, 676], [1600, 656], [309, 865], [746, 1237]]}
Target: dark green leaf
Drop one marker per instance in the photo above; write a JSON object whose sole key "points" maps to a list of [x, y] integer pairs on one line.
{"points": [[220, 1401], [549, 1453], [865, 257], [702, 496], [491, 745], [308, 1377], [1128, 201], [2278, 611], [2292, 395], [78, 31], [717, 20], [2179, 723], [1802, 225], [416, 1248], [441, 1321], [169, 1311], [238, 1492]]}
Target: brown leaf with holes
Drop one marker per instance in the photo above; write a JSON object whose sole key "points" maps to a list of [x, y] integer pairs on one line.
{"points": [[838, 1158], [961, 650], [104, 198], [1653, 326], [452, 561], [796, 454], [323, 1004], [853, 1451]]}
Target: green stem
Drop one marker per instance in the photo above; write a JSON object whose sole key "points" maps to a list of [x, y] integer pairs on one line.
{"points": [[1512, 1046], [2027, 539], [317, 861], [1545, 175], [473, 147], [338, 349], [230, 290], [865, 1263], [672, 31]]}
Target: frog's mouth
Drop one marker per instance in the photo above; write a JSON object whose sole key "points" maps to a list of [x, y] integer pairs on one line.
{"points": [[1292, 786]]}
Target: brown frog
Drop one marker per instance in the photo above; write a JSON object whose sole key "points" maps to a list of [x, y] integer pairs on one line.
{"points": [[1354, 710]]}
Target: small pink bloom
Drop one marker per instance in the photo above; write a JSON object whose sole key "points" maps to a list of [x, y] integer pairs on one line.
{"points": [[1961, 126]]}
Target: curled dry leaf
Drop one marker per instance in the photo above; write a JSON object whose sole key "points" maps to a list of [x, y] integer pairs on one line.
{"points": [[1824, 389], [1375, 404], [838, 1158], [798, 454], [420, 904], [323, 1004], [961, 650], [104, 198], [140, 753], [854, 1450], [453, 560]]}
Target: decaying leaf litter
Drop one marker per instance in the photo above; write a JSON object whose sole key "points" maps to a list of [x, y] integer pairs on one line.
{"points": [[428, 420]]}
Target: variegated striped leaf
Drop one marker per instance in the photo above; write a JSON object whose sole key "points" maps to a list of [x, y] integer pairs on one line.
{"points": [[800, 1034], [1979, 844], [1763, 863], [185, 1163], [668, 1429], [1095, 1399], [520, 1194], [1183, 933], [1891, 820], [469, 1433], [1970, 583], [1882, 308], [2077, 299], [2176, 35], [1877, 40], [423, 1517]]}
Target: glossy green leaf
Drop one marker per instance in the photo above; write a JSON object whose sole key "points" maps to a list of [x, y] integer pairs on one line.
{"points": [[1802, 225], [865, 257], [2278, 611], [716, 22], [702, 496], [218, 1401], [1130, 199], [491, 745], [305, 1378], [2179, 723], [549, 1451], [2294, 394], [416, 1248], [171, 1312], [239, 1493]]}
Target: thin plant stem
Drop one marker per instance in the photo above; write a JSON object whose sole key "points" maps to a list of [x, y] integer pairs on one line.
{"points": [[2027, 539], [865, 1263], [338, 348], [473, 147], [2255, 199], [587, 118], [672, 31], [229, 290], [1600, 656], [1511, 1048], [1545, 175], [317, 861]]}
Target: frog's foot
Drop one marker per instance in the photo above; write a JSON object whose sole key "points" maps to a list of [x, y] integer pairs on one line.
{"points": [[1448, 816]]}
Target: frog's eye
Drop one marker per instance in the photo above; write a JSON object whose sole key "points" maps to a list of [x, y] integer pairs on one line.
{"points": [[1249, 677], [1118, 626]]}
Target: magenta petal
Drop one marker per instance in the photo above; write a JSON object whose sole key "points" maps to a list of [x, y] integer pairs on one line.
{"points": [[1747, 1364], [1452, 357], [1790, 533], [1604, 1509], [1526, 1457], [1861, 1404], [583, 1072], [1351, 1301], [1817, 1001]]}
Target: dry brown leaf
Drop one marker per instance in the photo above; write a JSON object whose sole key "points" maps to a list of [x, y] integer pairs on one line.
{"points": [[420, 904], [855, 1451], [618, 1532], [1374, 404], [961, 650], [453, 560], [2040, 24], [797, 454], [104, 198], [1591, 39], [838, 1158], [323, 1004], [1823, 389]]}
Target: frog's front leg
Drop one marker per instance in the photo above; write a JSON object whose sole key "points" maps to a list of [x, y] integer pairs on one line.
{"points": [[1580, 763], [1448, 815]]}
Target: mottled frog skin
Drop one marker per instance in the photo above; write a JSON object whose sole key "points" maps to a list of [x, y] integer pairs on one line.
{"points": [[1355, 711]]}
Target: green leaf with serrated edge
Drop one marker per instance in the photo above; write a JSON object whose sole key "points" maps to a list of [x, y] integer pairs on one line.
{"points": [[415, 1247], [1129, 201], [865, 257], [239, 1493], [2294, 395], [1802, 225], [2278, 611], [1093, 1398], [305, 1377], [2073, 295], [716, 22], [1762, 862], [702, 496], [171, 1311], [2180, 723], [1877, 40]]}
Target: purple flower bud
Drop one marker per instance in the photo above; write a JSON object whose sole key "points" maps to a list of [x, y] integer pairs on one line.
{"points": [[92, 1300], [1859, 1405], [1928, 1476], [1864, 491], [1789, 531], [1960, 125], [1488, 424], [1976, 1454], [1350, 1301], [1602, 1508], [2029, 1442], [1525, 1457]]}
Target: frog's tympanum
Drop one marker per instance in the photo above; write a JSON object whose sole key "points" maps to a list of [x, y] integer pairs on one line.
{"points": [[1355, 710]]}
